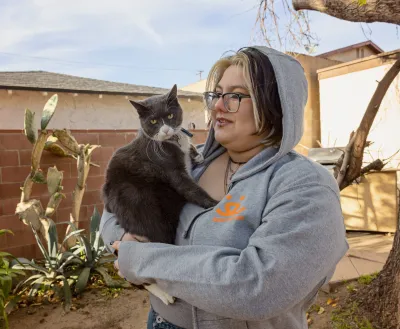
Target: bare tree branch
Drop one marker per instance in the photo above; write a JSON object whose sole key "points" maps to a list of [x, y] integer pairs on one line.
{"points": [[295, 34], [370, 11], [346, 160], [376, 165], [362, 132]]}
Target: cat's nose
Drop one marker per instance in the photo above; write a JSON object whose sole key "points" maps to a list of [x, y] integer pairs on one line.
{"points": [[165, 129]]}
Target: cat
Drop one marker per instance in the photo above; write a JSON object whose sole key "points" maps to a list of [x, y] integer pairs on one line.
{"points": [[148, 181]]}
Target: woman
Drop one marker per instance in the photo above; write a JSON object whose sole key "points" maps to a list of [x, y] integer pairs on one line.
{"points": [[258, 259]]}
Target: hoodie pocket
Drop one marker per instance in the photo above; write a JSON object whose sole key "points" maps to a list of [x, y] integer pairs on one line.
{"points": [[189, 214]]}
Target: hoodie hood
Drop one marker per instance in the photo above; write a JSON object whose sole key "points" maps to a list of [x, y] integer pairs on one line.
{"points": [[293, 93]]}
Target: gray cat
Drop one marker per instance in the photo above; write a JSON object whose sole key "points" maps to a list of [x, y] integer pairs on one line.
{"points": [[148, 181]]}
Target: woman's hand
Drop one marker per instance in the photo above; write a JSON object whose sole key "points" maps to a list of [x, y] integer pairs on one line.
{"points": [[115, 245], [126, 237]]}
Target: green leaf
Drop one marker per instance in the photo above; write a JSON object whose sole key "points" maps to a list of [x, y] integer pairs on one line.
{"points": [[52, 240], [10, 305], [39, 178], [362, 2], [71, 234], [37, 284], [48, 111], [109, 281], [52, 139], [6, 285], [30, 129], [71, 260], [94, 225], [67, 296], [67, 140], [88, 248], [5, 254], [40, 244], [24, 282], [3, 231], [31, 267], [83, 278], [54, 178], [79, 250]]}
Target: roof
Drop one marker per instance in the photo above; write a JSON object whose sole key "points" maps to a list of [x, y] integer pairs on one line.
{"points": [[49, 81], [198, 86], [359, 64], [368, 43]]}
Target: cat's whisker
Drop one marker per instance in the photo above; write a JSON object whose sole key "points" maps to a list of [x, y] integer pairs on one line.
{"points": [[147, 147], [156, 151], [162, 150]]}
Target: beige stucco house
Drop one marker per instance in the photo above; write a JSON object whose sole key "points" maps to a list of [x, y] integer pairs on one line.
{"points": [[345, 92], [83, 103]]}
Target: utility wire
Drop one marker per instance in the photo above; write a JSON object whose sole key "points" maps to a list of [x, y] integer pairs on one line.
{"points": [[97, 64]]}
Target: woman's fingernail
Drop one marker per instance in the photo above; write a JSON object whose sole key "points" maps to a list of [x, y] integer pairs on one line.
{"points": [[111, 243]]}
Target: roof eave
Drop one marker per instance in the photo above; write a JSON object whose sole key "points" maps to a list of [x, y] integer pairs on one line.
{"points": [[103, 92]]}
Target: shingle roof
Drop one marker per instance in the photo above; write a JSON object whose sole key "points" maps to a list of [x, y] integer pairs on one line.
{"points": [[368, 43], [49, 81]]}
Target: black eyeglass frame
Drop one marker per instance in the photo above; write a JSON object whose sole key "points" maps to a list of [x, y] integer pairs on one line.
{"points": [[225, 101]]}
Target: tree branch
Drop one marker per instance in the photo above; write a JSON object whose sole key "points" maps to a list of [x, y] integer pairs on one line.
{"points": [[355, 164], [376, 165], [387, 11], [346, 160]]}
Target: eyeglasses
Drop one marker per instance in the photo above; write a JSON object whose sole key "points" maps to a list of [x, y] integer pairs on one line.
{"points": [[231, 100]]}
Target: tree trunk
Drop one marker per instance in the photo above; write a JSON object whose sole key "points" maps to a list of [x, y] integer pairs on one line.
{"points": [[357, 149], [381, 298], [368, 11]]}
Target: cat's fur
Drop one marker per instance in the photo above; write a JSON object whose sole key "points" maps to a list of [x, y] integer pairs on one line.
{"points": [[148, 181]]}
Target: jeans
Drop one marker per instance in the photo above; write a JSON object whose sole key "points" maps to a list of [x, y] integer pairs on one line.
{"points": [[155, 321]]}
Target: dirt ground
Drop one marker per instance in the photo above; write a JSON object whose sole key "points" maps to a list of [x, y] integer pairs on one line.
{"points": [[128, 310]]}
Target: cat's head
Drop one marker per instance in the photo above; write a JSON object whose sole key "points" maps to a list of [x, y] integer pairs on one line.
{"points": [[161, 115]]}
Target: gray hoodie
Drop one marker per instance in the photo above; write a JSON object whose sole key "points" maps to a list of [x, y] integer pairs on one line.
{"points": [[258, 258]]}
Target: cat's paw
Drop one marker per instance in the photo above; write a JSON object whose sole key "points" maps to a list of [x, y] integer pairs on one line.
{"points": [[167, 299], [199, 158], [210, 203], [156, 291]]}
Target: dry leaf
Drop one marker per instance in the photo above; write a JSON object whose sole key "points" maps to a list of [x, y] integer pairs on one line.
{"points": [[329, 301], [321, 310]]}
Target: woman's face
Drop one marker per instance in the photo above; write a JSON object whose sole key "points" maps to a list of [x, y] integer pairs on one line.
{"points": [[235, 131]]}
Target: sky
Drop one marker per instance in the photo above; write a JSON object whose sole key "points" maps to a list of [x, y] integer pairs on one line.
{"points": [[155, 43]]}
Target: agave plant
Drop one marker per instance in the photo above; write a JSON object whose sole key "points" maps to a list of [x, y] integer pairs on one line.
{"points": [[67, 271], [94, 255], [6, 276]]}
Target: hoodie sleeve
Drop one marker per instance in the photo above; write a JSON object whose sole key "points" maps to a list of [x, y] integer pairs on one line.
{"points": [[110, 231], [296, 247]]}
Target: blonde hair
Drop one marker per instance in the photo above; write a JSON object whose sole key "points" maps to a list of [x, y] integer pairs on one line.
{"points": [[251, 76]]}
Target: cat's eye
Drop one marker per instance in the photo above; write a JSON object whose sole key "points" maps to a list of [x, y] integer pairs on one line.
{"points": [[170, 116], [153, 122]]}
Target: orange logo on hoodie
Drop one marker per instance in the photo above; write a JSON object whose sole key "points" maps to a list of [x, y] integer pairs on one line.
{"points": [[231, 211]]}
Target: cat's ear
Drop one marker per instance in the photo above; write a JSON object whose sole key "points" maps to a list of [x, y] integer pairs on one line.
{"points": [[140, 108], [172, 94]]}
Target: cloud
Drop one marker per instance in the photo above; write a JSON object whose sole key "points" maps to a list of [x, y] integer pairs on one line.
{"points": [[183, 34], [128, 32]]}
